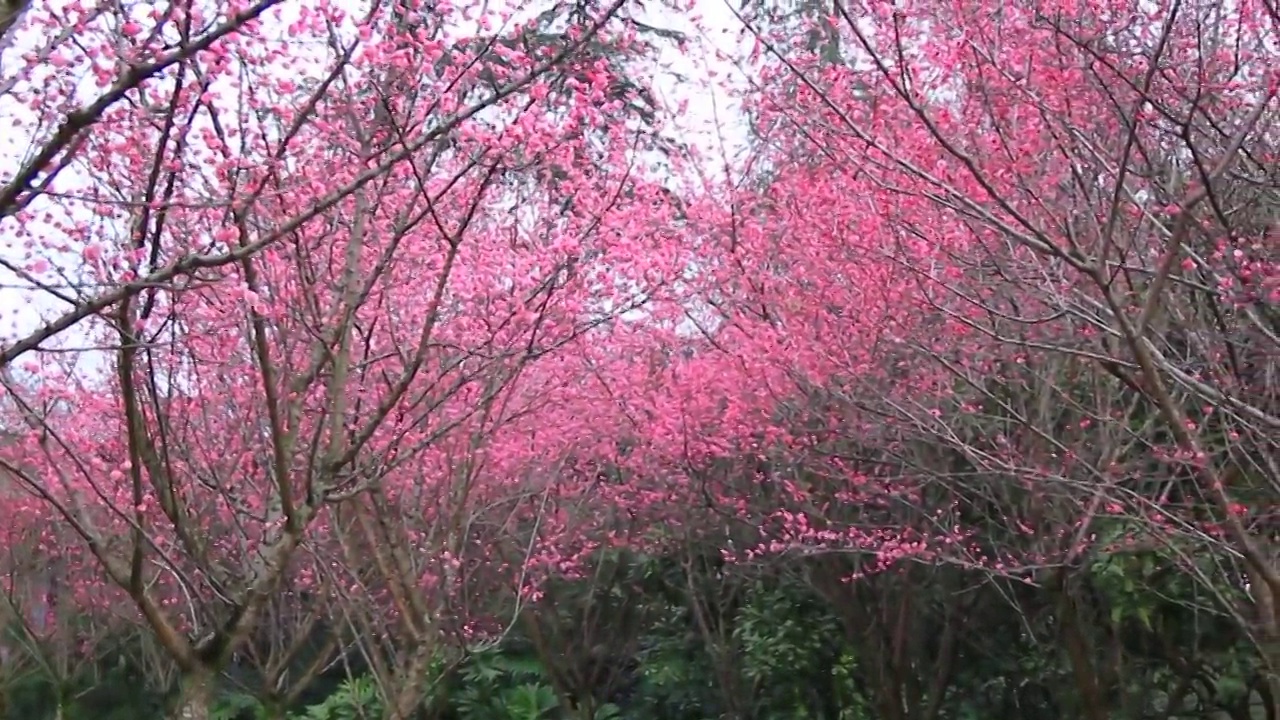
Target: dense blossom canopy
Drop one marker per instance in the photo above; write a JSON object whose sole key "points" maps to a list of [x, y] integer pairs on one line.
{"points": [[348, 302]]}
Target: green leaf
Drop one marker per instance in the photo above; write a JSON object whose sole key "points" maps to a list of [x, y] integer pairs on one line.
{"points": [[1144, 616], [608, 711]]}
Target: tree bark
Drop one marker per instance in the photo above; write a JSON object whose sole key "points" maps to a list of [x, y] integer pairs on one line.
{"points": [[1079, 654], [195, 697], [407, 695]]}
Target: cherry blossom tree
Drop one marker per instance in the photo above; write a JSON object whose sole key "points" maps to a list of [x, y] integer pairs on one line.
{"points": [[317, 290], [1018, 270], [161, 57], [57, 629], [416, 319], [168, 74]]}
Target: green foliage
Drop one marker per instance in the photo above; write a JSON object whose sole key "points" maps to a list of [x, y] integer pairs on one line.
{"points": [[761, 644], [236, 705], [789, 647], [355, 699], [783, 633], [675, 676], [527, 702], [503, 686], [108, 689]]}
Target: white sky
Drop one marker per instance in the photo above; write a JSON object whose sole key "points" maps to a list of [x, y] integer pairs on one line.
{"points": [[695, 107]]}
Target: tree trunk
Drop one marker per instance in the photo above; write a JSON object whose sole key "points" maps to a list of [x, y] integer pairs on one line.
{"points": [[407, 696], [195, 697], [1080, 655], [1267, 606]]}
